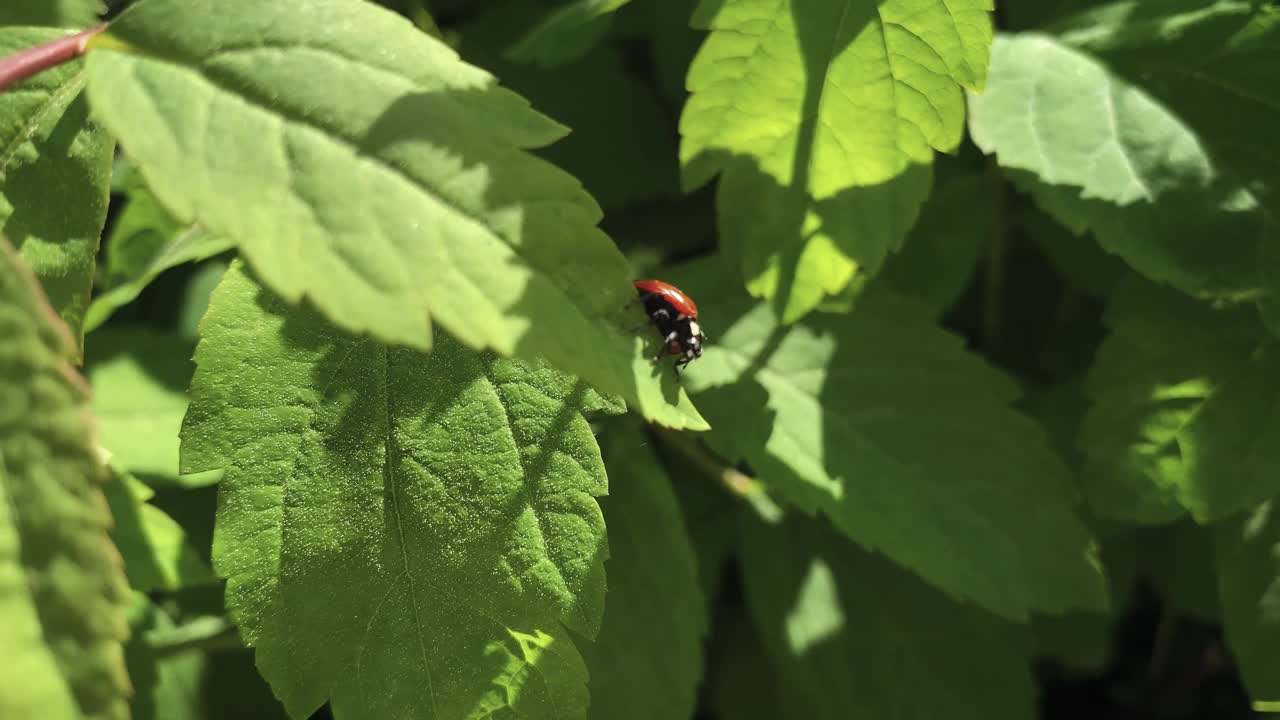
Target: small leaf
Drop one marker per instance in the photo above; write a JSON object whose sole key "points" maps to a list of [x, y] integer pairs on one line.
{"points": [[139, 380], [823, 119], [410, 200], [62, 589], [406, 534], [647, 660], [880, 419], [854, 635], [156, 553], [1182, 410], [1247, 549], [144, 242], [52, 13], [55, 174], [567, 32]]}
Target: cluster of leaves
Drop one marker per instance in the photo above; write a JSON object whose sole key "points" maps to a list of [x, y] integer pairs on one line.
{"points": [[354, 314]]}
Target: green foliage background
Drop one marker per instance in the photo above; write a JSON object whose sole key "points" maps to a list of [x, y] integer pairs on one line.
{"points": [[322, 393]]}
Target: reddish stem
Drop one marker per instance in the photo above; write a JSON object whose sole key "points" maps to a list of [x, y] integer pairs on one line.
{"points": [[25, 63]]}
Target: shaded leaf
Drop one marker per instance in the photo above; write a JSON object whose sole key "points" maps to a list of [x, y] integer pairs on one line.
{"points": [[387, 222], [854, 635], [822, 119], [156, 553], [139, 380], [144, 242], [52, 13], [1181, 415], [1249, 588], [62, 588], [55, 173], [567, 32], [880, 419], [403, 533], [647, 660], [164, 688]]}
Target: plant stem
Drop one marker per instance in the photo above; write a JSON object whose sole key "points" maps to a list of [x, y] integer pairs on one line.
{"points": [[204, 633], [733, 479], [23, 64]]}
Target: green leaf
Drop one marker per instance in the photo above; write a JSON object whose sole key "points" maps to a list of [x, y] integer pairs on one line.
{"points": [[156, 553], [1182, 410], [385, 222], [1177, 559], [647, 660], [1102, 154], [62, 589], [822, 119], [942, 248], [882, 421], [53, 13], [566, 33], [144, 242], [1247, 549], [164, 688], [854, 635], [407, 534], [55, 174], [139, 380]]}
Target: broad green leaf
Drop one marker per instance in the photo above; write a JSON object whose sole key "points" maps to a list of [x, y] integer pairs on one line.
{"points": [[883, 422], [62, 589], [406, 534], [139, 380], [164, 688], [55, 173], [855, 636], [156, 553], [566, 33], [647, 660], [407, 199], [195, 298], [1247, 549], [53, 13], [1182, 410], [942, 248], [144, 242], [1102, 154], [822, 118]]}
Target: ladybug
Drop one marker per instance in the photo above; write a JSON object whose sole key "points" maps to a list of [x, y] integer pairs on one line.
{"points": [[676, 318]]}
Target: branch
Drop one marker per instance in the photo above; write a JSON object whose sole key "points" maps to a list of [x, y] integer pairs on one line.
{"points": [[203, 633], [25, 63]]}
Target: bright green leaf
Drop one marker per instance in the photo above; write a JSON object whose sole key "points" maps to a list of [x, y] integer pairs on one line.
{"points": [[854, 635], [942, 248], [1247, 549], [882, 421], [62, 590], [52, 13], [1182, 410], [567, 32], [156, 553], [407, 534], [55, 173], [647, 659], [139, 380], [823, 119], [144, 242], [405, 199], [195, 298], [1102, 154]]}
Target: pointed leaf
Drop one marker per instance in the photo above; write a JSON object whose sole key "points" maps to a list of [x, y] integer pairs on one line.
{"points": [[408, 201], [406, 534], [55, 173], [882, 421], [567, 32], [823, 118], [62, 588], [854, 635], [647, 660], [1182, 410], [1247, 549]]}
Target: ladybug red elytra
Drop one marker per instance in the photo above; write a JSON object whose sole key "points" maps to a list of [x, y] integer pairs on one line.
{"points": [[676, 317]]}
